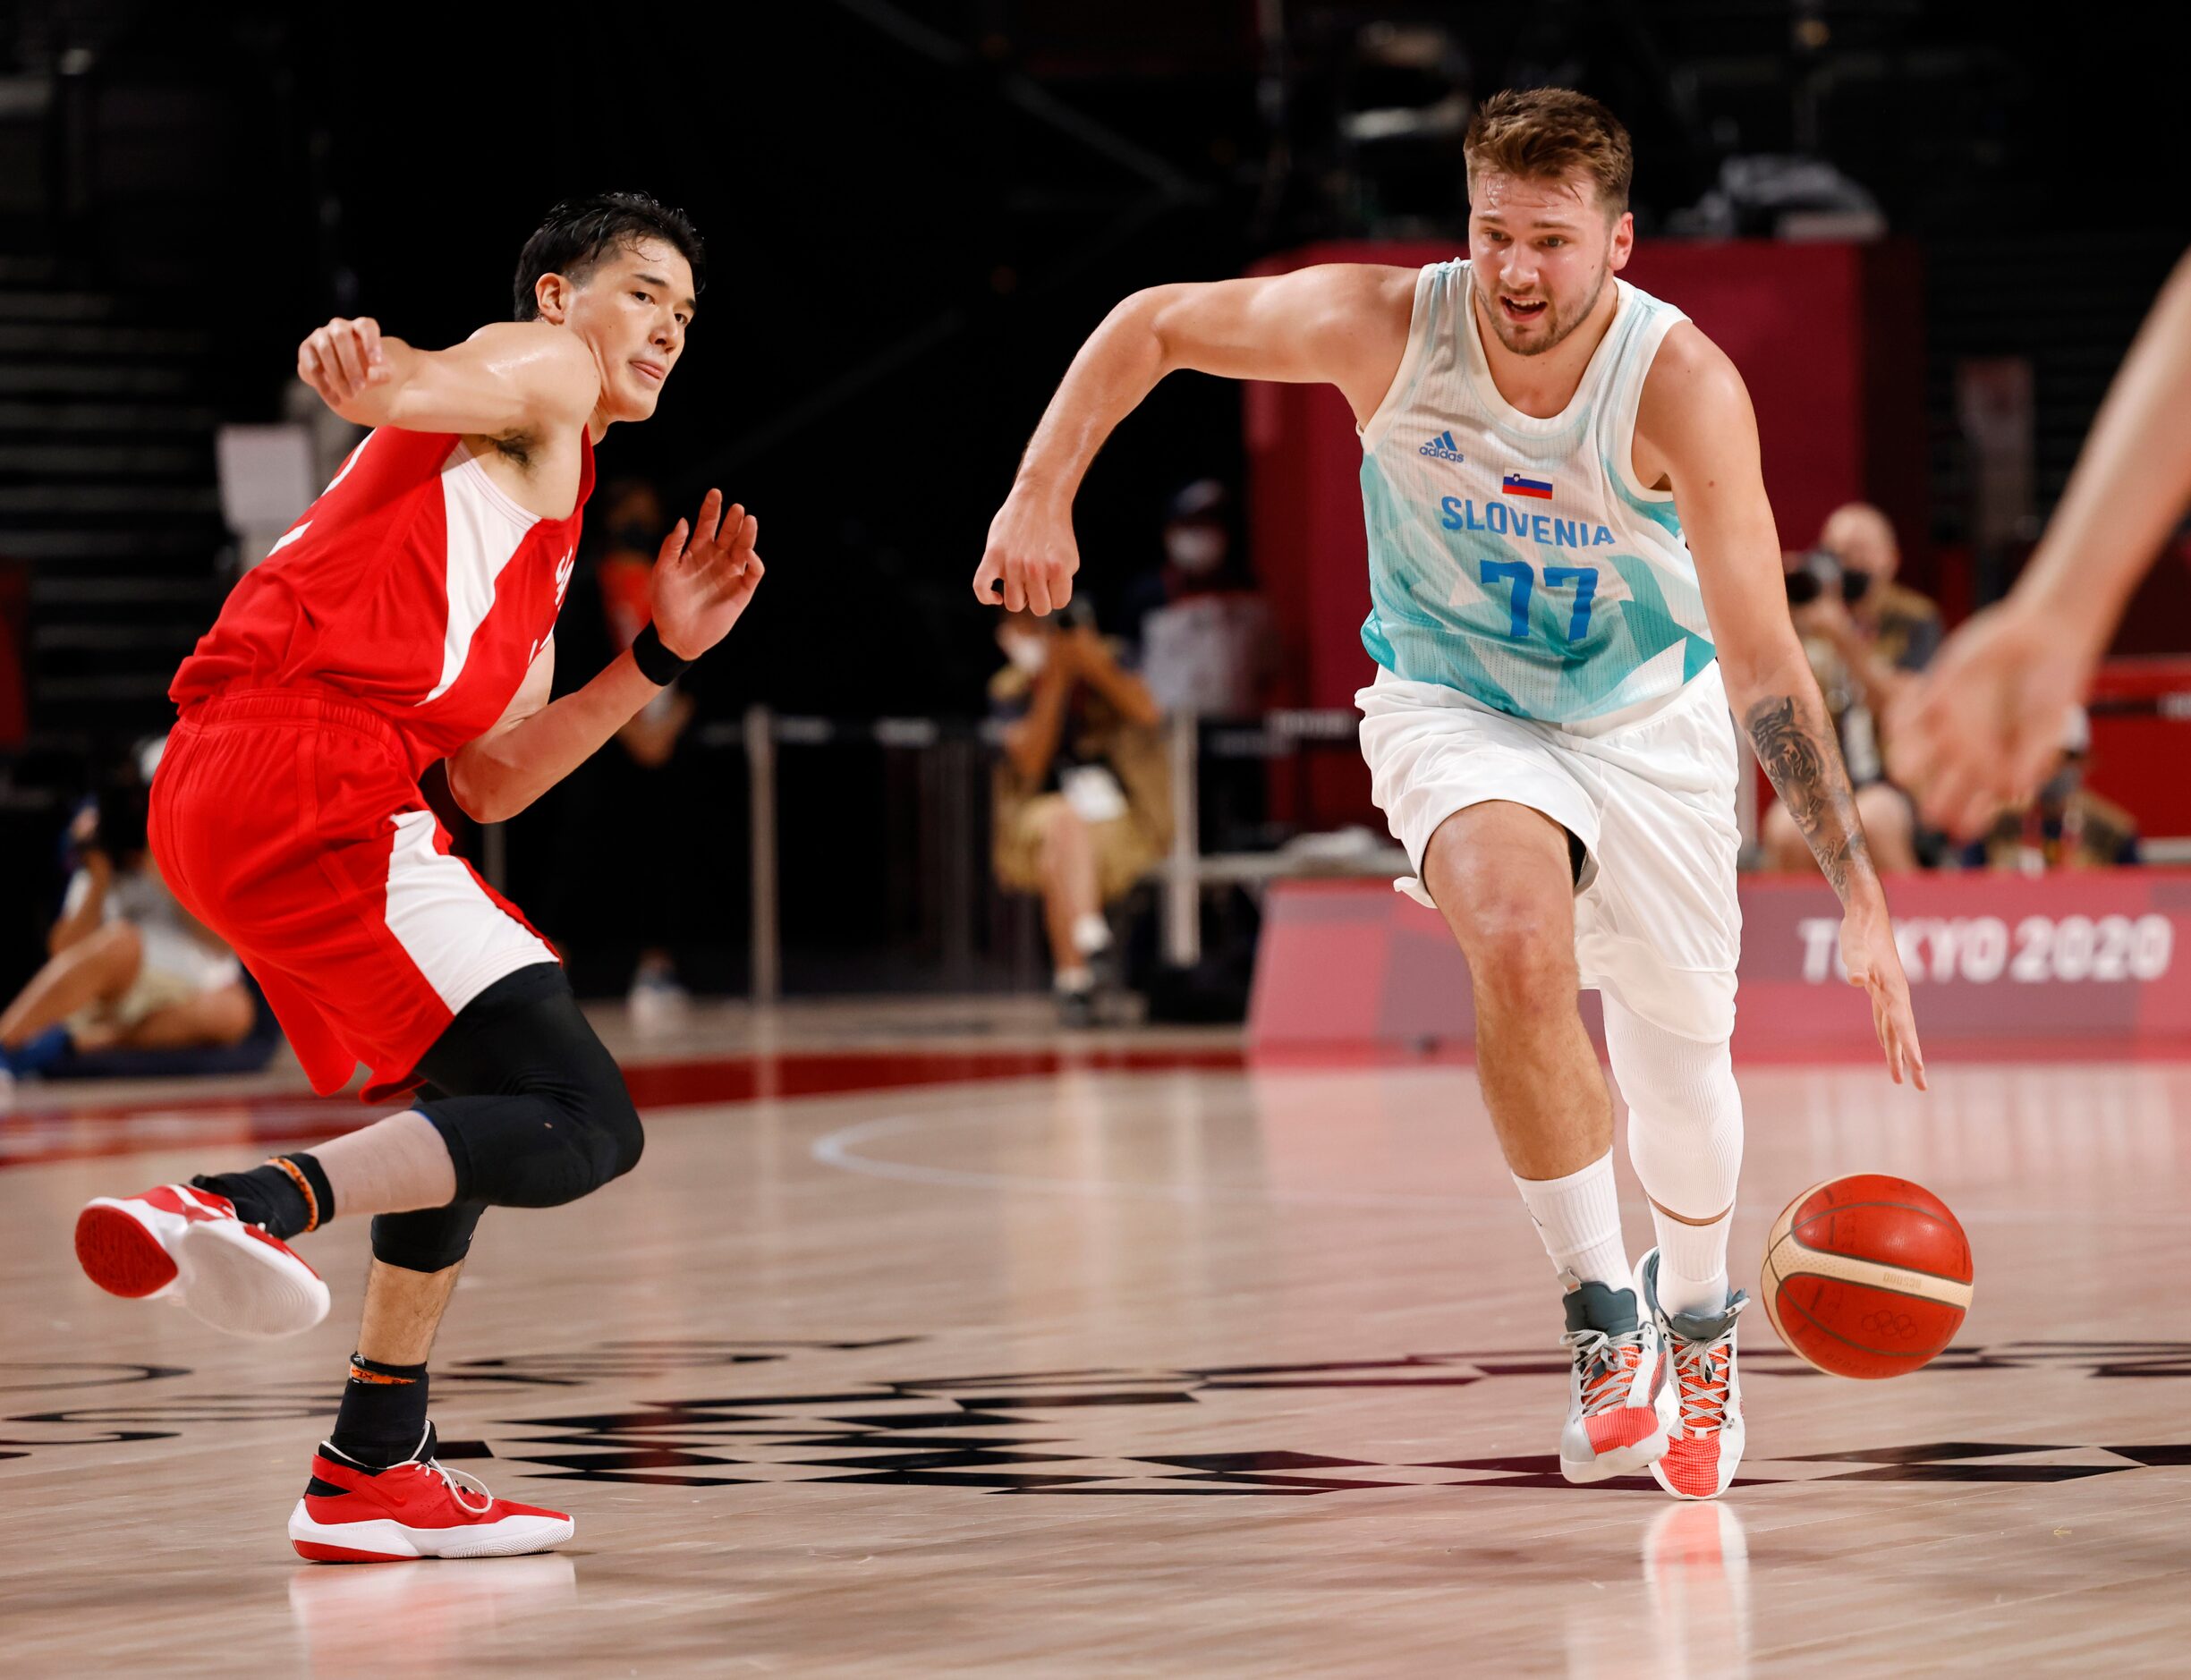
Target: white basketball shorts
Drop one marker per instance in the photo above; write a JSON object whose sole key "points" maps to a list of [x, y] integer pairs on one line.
{"points": [[1649, 791]]}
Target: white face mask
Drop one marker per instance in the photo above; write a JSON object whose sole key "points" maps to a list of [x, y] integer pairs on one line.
{"points": [[1198, 549], [1030, 653]]}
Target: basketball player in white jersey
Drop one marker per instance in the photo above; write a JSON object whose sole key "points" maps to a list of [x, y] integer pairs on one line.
{"points": [[1573, 571]]}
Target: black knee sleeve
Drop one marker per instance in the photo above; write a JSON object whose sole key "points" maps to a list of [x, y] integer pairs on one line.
{"points": [[428, 1240], [535, 1112]]}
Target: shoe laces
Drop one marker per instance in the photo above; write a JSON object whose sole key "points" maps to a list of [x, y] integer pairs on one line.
{"points": [[460, 1482], [1702, 1371], [1607, 1362]]}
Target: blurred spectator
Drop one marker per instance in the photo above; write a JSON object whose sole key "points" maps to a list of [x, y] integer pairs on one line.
{"points": [[1204, 632], [2066, 826], [128, 968], [1082, 803], [633, 787], [1866, 637]]}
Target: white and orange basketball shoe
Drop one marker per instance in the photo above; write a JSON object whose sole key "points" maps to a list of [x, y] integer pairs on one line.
{"points": [[184, 1245], [1619, 1404], [351, 1514], [1708, 1437]]}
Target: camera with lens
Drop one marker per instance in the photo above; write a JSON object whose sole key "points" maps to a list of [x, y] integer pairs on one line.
{"points": [[1822, 573]]}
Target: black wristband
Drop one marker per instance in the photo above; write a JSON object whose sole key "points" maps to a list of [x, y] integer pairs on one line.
{"points": [[655, 663]]}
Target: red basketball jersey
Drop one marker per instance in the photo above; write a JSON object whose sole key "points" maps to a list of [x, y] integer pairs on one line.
{"points": [[414, 584]]}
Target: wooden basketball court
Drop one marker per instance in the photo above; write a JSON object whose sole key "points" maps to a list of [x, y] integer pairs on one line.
{"points": [[925, 1342]]}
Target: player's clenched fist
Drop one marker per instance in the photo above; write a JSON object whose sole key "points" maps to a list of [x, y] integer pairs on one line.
{"points": [[1031, 558], [343, 359]]}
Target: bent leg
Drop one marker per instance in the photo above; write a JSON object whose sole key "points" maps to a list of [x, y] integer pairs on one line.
{"points": [[99, 966], [527, 1110], [220, 1017], [1502, 875]]}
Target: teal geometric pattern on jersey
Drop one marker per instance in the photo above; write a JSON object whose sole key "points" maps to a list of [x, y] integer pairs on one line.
{"points": [[1419, 632], [1513, 557]]}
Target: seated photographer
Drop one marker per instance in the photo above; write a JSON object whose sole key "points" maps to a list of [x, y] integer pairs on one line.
{"points": [[2066, 826], [1082, 804], [128, 967], [1866, 637]]}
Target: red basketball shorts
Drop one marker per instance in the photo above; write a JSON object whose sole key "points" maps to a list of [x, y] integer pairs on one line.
{"points": [[288, 821]]}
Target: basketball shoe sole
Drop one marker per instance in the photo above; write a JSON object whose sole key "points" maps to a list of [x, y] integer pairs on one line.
{"points": [[384, 1541], [184, 1245]]}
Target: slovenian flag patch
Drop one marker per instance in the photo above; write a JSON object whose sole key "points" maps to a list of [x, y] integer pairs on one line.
{"points": [[1520, 484]]}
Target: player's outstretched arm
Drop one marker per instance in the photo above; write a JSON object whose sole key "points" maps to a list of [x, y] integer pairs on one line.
{"points": [[1695, 422], [1984, 727], [1342, 323], [506, 379], [704, 578]]}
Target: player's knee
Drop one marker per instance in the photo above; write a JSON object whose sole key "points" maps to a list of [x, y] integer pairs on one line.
{"points": [[1520, 958], [426, 1239], [1065, 836], [119, 943], [603, 1121], [623, 1139]]}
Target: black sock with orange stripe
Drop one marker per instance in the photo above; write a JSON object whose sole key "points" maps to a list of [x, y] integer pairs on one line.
{"points": [[383, 1415], [289, 1195]]}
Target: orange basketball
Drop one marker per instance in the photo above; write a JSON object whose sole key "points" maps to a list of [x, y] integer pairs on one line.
{"points": [[1866, 1275]]}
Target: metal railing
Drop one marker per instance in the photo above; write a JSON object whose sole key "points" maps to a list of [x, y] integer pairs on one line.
{"points": [[1182, 876]]}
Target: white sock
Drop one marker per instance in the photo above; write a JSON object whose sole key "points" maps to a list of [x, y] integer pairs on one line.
{"points": [[1579, 1218], [1684, 1141], [1074, 979], [1692, 1263], [1090, 934]]}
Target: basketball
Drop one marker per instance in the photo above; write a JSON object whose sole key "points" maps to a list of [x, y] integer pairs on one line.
{"points": [[1866, 1275]]}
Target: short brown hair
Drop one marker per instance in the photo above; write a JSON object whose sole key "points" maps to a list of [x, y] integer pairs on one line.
{"points": [[1545, 133]]}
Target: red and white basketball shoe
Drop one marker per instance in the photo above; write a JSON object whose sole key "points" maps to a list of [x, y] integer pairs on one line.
{"points": [[1708, 1438], [352, 1515], [185, 1246], [1619, 1405]]}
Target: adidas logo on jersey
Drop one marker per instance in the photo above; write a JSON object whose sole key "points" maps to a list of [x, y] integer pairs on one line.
{"points": [[1442, 448]]}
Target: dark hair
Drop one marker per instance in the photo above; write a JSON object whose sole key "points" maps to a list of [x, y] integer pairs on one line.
{"points": [[579, 233]]}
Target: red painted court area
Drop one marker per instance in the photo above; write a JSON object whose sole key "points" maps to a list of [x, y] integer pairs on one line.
{"points": [[49, 1128]]}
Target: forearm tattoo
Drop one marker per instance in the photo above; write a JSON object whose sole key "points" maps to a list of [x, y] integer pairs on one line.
{"points": [[1801, 756]]}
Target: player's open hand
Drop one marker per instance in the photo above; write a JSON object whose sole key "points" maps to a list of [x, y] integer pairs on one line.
{"points": [[1031, 558], [343, 360], [704, 576], [1983, 727], [1868, 952]]}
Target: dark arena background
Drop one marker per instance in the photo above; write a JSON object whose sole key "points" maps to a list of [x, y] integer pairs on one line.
{"points": [[962, 1318]]}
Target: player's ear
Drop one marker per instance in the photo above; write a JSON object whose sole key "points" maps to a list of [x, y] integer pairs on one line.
{"points": [[1624, 241], [551, 296]]}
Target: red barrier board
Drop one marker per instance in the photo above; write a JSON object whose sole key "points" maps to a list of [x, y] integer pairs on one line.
{"points": [[2078, 963]]}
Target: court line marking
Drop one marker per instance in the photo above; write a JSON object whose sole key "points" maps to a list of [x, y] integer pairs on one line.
{"points": [[838, 1149]]}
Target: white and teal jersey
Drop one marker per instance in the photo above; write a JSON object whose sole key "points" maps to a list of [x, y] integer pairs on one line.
{"points": [[1517, 559]]}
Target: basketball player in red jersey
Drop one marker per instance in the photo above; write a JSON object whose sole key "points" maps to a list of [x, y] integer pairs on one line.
{"points": [[407, 618]]}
